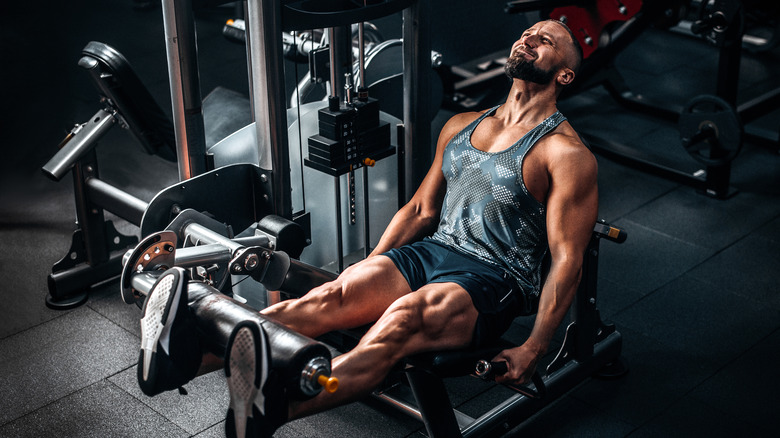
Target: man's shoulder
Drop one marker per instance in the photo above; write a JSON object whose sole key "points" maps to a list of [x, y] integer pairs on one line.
{"points": [[461, 120], [565, 140], [455, 124], [565, 149]]}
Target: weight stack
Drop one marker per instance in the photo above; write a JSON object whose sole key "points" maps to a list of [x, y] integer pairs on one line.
{"points": [[349, 138]]}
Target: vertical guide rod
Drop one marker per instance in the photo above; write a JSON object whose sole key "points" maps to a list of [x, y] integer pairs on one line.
{"points": [[363, 95], [182, 51], [339, 237], [333, 63], [362, 54], [366, 230]]}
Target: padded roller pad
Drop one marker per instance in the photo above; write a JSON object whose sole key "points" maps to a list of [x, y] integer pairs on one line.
{"points": [[217, 315]]}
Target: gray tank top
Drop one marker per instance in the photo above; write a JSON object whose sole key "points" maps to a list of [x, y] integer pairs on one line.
{"points": [[488, 212]]}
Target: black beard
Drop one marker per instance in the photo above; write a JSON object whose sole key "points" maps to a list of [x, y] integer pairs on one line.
{"points": [[518, 68]]}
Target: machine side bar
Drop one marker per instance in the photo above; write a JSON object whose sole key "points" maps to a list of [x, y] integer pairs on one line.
{"points": [[518, 407], [182, 51], [264, 48], [121, 203]]}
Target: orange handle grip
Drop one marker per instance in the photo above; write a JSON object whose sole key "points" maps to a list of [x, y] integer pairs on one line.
{"points": [[330, 384]]}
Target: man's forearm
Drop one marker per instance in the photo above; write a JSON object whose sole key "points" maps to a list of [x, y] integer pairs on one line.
{"points": [[408, 225], [557, 295]]}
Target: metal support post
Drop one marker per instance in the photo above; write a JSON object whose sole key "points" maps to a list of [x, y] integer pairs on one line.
{"points": [[182, 50], [264, 45], [418, 153], [88, 214]]}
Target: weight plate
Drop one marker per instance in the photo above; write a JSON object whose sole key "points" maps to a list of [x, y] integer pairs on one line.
{"points": [[710, 130], [156, 252]]}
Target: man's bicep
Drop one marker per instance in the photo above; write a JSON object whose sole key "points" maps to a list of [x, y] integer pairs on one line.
{"points": [[572, 205]]}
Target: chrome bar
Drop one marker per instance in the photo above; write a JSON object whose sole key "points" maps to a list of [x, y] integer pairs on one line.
{"points": [[401, 405], [143, 281], [332, 55], [80, 141], [192, 256], [366, 230], [264, 43], [339, 237], [200, 235], [181, 48], [209, 253], [116, 201], [362, 53]]}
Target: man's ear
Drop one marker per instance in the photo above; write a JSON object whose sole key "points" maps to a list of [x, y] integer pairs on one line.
{"points": [[565, 76]]}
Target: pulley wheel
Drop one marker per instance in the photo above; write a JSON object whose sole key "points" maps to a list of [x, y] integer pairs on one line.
{"points": [[710, 130]]}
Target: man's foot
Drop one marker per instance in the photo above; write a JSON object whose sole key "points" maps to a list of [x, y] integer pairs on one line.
{"points": [[258, 404], [170, 353]]}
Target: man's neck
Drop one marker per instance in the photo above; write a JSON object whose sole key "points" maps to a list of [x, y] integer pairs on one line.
{"points": [[528, 103]]}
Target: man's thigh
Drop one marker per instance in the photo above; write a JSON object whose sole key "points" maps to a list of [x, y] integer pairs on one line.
{"points": [[375, 281], [359, 296]]}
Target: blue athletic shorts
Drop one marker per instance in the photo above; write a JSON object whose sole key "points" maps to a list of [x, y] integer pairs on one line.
{"points": [[494, 292]]}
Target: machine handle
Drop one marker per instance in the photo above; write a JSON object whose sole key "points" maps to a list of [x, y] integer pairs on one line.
{"points": [[489, 370]]}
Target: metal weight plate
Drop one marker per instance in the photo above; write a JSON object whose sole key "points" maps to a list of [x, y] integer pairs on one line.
{"points": [[153, 253], [710, 130]]}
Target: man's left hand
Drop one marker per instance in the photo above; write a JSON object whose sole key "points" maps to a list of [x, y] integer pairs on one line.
{"points": [[521, 363]]}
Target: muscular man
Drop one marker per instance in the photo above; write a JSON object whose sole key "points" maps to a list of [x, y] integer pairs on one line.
{"points": [[462, 258]]}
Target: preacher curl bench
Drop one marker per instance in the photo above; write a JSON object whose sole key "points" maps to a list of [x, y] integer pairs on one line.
{"points": [[197, 242]]}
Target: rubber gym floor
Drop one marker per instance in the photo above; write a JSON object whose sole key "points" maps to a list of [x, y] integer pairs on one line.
{"points": [[694, 289]]}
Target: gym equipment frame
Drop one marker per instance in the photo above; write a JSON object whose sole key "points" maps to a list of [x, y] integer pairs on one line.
{"points": [[590, 346], [96, 249]]}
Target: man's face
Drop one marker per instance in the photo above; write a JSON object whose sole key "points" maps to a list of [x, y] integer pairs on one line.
{"points": [[538, 54]]}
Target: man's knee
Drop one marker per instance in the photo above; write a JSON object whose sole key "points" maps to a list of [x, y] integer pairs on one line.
{"points": [[334, 296], [328, 297], [350, 286]]}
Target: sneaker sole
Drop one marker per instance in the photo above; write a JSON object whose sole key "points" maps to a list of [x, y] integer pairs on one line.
{"points": [[246, 369], [158, 318]]}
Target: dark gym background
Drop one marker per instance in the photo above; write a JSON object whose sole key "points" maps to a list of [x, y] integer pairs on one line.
{"points": [[694, 290]]}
